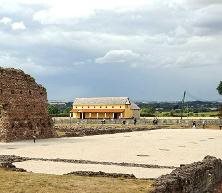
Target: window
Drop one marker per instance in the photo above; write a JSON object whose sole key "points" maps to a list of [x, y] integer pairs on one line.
{"points": [[112, 106], [100, 107], [94, 107], [21, 92], [30, 92], [120, 107], [12, 92], [106, 106], [1, 91]]}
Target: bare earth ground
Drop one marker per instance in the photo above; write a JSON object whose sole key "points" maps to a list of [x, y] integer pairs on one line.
{"points": [[163, 147], [160, 147], [16, 182]]}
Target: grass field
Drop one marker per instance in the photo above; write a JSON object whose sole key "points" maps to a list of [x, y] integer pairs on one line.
{"points": [[19, 182], [191, 114]]}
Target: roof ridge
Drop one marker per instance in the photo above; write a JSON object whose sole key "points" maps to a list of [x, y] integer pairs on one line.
{"points": [[102, 100], [100, 97]]}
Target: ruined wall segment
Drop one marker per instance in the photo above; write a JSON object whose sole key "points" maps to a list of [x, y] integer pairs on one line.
{"points": [[198, 177], [23, 107]]}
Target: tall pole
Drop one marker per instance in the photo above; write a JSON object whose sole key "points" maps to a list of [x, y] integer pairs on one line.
{"points": [[182, 104]]}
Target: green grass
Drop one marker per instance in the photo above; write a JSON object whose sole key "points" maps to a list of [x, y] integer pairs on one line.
{"points": [[191, 114], [19, 182]]}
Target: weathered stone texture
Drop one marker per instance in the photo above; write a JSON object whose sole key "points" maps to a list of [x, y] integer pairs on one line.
{"points": [[198, 177], [23, 107]]}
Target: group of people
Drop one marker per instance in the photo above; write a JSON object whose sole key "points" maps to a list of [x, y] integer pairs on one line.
{"points": [[103, 121], [194, 124], [134, 121]]}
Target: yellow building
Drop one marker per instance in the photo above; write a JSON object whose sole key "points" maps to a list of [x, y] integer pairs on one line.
{"points": [[104, 108]]}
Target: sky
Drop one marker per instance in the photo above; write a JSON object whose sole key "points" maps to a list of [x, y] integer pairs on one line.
{"points": [[149, 50]]}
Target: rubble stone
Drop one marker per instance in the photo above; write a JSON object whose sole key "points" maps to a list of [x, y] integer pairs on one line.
{"points": [[198, 177], [102, 174], [23, 107]]}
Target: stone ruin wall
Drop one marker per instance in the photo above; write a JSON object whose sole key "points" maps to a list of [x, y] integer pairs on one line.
{"points": [[198, 177], [23, 107]]}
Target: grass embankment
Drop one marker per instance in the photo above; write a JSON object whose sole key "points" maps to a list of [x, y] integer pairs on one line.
{"points": [[19, 182]]}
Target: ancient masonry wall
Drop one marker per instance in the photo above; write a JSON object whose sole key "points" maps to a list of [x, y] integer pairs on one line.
{"points": [[198, 177], [23, 107]]}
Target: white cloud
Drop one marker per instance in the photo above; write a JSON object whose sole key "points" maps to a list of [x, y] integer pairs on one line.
{"points": [[59, 11], [200, 3], [6, 20], [119, 56], [26, 63], [207, 21], [18, 26], [8, 60], [165, 35], [14, 25]]}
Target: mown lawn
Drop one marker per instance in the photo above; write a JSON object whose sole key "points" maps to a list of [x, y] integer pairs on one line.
{"points": [[19, 182]]}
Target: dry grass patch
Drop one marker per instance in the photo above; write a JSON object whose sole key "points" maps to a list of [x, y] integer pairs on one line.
{"points": [[18, 182]]}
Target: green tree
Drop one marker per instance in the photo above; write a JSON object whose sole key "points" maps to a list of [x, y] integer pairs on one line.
{"points": [[219, 88], [148, 111], [67, 110], [53, 110]]}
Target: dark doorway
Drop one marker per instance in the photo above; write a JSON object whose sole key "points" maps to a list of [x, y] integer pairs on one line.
{"points": [[82, 116], [116, 115]]}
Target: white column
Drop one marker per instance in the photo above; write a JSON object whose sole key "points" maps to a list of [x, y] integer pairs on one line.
{"points": [[97, 115], [105, 115], [121, 115], [82, 115], [113, 115], [90, 115]]}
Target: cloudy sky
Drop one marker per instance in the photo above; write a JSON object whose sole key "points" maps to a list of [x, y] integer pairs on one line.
{"points": [[145, 49]]}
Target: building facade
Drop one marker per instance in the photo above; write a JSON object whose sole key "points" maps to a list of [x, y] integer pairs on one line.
{"points": [[104, 108]]}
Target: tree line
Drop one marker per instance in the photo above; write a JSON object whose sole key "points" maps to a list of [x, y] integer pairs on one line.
{"points": [[192, 108]]}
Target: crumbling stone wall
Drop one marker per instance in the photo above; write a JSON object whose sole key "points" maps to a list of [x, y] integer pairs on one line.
{"points": [[198, 177], [23, 107]]}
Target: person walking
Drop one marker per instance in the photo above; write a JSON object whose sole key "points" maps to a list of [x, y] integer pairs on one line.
{"points": [[194, 124], [134, 121], [34, 137], [203, 124]]}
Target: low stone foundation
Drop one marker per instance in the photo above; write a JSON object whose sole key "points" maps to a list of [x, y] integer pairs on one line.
{"points": [[186, 122], [198, 177], [67, 130], [102, 174], [6, 162]]}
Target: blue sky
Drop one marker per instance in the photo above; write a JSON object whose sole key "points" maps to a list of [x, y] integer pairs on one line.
{"points": [[145, 49]]}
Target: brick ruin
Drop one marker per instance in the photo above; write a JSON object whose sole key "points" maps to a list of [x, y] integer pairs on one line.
{"points": [[23, 107]]}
